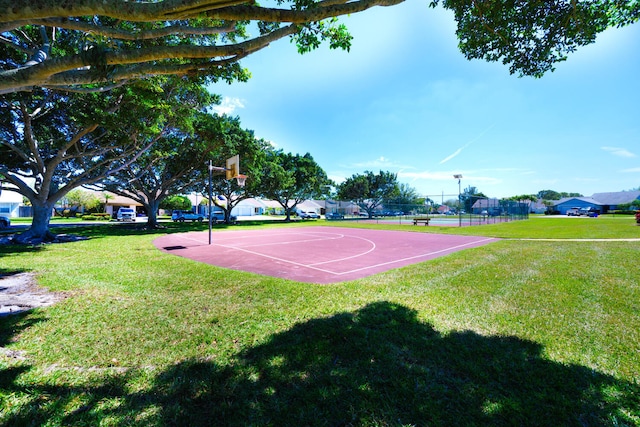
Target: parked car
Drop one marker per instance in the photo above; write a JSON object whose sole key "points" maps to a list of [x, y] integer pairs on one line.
{"points": [[126, 214], [308, 215], [589, 212], [218, 216], [333, 215], [573, 212], [182, 216], [4, 221]]}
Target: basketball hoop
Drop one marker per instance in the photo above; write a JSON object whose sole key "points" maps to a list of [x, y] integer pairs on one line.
{"points": [[241, 179], [231, 171]]}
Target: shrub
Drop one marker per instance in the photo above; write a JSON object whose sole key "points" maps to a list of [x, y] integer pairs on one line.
{"points": [[96, 217]]}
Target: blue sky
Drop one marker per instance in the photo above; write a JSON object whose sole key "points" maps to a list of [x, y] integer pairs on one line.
{"points": [[406, 100]]}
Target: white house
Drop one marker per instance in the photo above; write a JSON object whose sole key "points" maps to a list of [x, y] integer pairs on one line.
{"points": [[10, 202]]}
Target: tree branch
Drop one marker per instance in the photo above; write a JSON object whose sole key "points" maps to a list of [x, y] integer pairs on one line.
{"points": [[55, 72], [119, 34], [316, 13]]}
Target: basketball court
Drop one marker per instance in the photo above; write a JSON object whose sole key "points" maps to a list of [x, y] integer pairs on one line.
{"points": [[315, 254]]}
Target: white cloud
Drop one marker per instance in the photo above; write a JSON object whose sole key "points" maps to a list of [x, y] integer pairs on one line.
{"points": [[377, 163], [459, 150], [620, 152], [228, 105], [455, 153], [632, 170], [338, 179]]}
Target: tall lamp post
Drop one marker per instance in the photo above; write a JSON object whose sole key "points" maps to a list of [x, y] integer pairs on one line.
{"points": [[232, 169], [459, 177]]}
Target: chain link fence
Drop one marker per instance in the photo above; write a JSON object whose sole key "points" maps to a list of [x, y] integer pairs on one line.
{"points": [[473, 211]]}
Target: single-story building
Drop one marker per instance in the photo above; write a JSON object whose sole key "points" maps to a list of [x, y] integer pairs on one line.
{"points": [[486, 206], [338, 206], [536, 207], [310, 206], [257, 206], [10, 202], [251, 206], [612, 201], [443, 209], [565, 204], [601, 202]]}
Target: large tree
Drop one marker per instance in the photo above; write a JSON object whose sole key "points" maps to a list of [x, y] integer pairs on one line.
{"points": [[93, 43], [469, 196], [173, 164], [169, 167], [52, 142], [290, 179], [369, 190], [406, 198]]}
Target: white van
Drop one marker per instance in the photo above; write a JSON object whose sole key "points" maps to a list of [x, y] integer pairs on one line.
{"points": [[126, 214]]}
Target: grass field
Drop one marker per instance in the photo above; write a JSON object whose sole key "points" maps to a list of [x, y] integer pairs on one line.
{"points": [[517, 332]]}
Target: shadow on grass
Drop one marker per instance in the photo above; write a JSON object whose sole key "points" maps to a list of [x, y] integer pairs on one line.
{"points": [[98, 230], [376, 366], [9, 249]]}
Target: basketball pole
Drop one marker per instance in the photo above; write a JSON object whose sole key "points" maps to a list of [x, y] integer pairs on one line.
{"points": [[210, 195], [233, 166], [211, 169]]}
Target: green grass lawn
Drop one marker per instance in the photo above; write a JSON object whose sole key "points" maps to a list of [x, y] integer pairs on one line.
{"points": [[517, 332]]}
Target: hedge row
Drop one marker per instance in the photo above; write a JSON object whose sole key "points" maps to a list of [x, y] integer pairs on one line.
{"points": [[96, 217]]}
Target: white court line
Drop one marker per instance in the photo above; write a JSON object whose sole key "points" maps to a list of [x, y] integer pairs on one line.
{"points": [[336, 273], [416, 256], [338, 236], [312, 266], [373, 247], [288, 242], [234, 239], [276, 258]]}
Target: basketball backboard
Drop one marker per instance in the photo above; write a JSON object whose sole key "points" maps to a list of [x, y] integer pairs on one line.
{"points": [[233, 167]]}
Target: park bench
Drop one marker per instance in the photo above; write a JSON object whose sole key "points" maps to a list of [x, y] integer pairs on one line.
{"points": [[424, 220]]}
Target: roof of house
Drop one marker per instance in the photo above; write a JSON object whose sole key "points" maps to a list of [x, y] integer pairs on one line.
{"points": [[613, 198], [114, 199], [616, 198], [309, 204], [584, 199], [332, 204], [252, 201], [485, 203]]}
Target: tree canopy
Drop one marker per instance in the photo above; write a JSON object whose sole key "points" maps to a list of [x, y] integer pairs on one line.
{"points": [[555, 195], [290, 179], [52, 142], [231, 139], [94, 44], [369, 190], [170, 166]]}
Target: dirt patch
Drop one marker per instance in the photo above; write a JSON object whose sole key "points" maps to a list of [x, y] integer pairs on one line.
{"points": [[20, 292]]}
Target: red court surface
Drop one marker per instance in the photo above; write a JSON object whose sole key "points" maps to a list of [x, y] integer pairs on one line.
{"points": [[315, 254]]}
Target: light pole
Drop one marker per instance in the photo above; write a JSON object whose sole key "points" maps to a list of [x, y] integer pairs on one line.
{"points": [[459, 177]]}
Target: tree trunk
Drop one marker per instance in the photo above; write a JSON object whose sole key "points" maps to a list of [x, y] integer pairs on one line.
{"points": [[227, 214], [39, 230], [152, 213]]}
